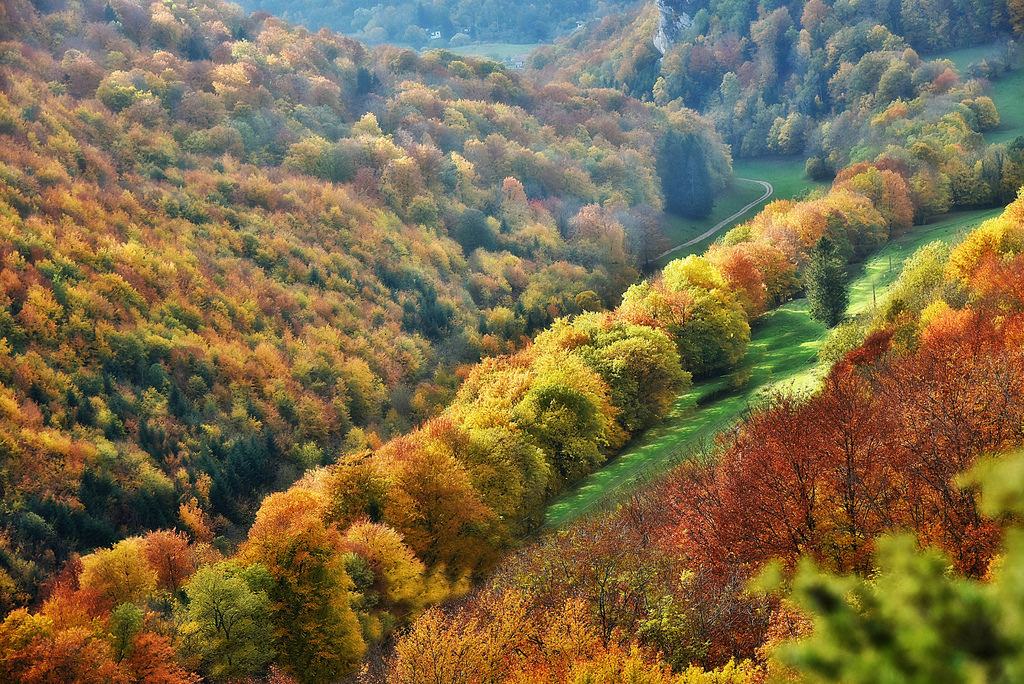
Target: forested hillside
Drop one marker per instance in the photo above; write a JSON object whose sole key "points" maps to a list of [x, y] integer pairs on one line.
{"points": [[812, 76], [807, 488], [298, 337], [234, 250]]}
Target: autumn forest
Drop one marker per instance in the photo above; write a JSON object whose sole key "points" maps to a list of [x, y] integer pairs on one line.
{"points": [[303, 327]]}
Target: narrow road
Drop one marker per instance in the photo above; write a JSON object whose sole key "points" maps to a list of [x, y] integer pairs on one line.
{"points": [[768, 191]]}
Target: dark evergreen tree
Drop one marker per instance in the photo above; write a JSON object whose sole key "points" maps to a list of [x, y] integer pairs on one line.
{"points": [[471, 230], [366, 81], [825, 283], [685, 180]]}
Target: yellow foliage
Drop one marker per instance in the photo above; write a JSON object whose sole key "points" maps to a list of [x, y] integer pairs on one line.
{"points": [[1002, 236], [744, 672], [120, 574]]}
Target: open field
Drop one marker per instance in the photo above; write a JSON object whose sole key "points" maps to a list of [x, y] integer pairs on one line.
{"points": [[787, 178], [1007, 92], [965, 57], [786, 174], [496, 51], [737, 195], [876, 269], [781, 357]]}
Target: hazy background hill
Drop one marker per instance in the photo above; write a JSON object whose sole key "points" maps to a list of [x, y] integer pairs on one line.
{"points": [[443, 23], [769, 75]]}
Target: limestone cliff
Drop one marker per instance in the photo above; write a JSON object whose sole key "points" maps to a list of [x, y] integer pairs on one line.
{"points": [[674, 17]]}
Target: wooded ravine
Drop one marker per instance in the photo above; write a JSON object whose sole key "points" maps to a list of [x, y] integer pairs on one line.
{"points": [[326, 360]]}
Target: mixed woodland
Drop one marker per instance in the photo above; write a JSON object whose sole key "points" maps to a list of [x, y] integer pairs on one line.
{"points": [[298, 337]]}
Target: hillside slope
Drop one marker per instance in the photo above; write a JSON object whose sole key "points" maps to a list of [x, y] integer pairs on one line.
{"points": [[803, 76], [233, 249]]}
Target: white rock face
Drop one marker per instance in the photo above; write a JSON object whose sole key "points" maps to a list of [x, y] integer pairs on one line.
{"points": [[673, 20]]}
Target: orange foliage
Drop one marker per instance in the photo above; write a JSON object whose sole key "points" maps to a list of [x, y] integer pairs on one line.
{"points": [[171, 556], [430, 497], [37, 653], [877, 451]]}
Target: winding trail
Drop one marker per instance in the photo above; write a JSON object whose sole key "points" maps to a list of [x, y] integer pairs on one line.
{"points": [[768, 191]]}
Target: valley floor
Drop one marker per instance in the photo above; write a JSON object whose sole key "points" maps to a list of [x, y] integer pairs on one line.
{"points": [[715, 229], [782, 356]]}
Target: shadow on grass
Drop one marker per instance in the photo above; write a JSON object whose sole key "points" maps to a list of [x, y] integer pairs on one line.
{"points": [[783, 345]]}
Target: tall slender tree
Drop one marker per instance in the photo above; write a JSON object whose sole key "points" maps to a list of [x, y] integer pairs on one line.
{"points": [[825, 283], [685, 178]]}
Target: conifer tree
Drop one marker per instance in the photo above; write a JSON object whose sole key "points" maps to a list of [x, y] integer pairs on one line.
{"points": [[685, 178], [825, 283]]}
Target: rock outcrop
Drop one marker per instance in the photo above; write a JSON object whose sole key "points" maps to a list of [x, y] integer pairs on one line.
{"points": [[674, 17]]}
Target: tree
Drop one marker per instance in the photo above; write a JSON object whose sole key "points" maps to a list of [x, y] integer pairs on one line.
{"points": [[431, 499], [639, 364], [35, 651], [225, 621], [685, 179], [567, 413], [169, 555], [395, 578], [120, 574], [825, 283], [318, 635], [125, 624], [914, 621], [697, 307]]}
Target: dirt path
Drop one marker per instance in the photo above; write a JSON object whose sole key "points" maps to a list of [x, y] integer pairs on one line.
{"points": [[768, 191]]}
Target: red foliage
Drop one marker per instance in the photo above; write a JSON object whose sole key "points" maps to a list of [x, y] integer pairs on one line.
{"points": [[874, 347], [878, 450]]}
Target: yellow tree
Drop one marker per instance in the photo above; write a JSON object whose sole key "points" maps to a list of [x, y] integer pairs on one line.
{"points": [[120, 574]]}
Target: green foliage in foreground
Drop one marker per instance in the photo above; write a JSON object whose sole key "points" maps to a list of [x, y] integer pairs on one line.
{"points": [[226, 621], [915, 621]]}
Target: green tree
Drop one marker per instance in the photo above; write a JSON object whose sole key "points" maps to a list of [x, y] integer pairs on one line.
{"points": [[698, 309], [566, 413], [225, 621], [318, 635], [125, 623], [825, 282], [685, 179], [639, 364]]}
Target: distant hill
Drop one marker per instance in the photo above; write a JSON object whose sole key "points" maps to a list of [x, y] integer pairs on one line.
{"points": [[443, 23], [770, 78]]}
